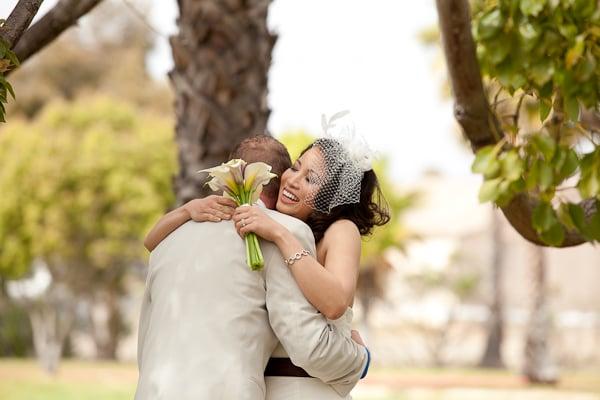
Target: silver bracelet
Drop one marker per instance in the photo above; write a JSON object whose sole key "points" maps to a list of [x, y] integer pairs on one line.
{"points": [[291, 260]]}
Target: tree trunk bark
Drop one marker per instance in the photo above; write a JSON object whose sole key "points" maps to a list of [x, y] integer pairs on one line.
{"points": [[222, 55], [18, 21], [492, 356], [106, 321], [539, 366], [51, 320]]}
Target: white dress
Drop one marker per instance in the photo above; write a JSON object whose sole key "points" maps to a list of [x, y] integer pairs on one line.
{"points": [[296, 388]]}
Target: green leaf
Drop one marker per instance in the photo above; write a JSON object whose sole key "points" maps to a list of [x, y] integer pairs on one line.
{"points": [[568, 30], [578, 217], [512, 165], [490, 190], [569, 166], [564, 216], [545, 145], [532, 175], [13, 58], [543, 217], [594, 225], [498, 50], [589, 184], [10, 89], [545, 107], [490, 24], [542, 72], [532, 7], [575, 52], [486, 162], [553, 236], [572, 108], [546, 176]]}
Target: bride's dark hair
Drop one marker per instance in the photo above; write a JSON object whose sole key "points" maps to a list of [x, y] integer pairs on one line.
{"points": [[370, 211]]}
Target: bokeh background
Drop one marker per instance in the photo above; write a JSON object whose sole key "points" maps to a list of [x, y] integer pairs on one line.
{"points": [[449, 294]]}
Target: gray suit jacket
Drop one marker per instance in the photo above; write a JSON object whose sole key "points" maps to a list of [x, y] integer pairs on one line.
{"points": [[205, 332]]}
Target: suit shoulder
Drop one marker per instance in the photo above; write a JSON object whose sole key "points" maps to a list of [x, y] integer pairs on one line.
{"points": [[294, 225]]}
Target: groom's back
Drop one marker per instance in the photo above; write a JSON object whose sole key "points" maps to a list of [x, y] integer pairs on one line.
{"points": [[204, 328]]}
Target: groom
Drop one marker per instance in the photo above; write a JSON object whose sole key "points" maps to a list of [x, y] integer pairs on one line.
{"points": [[205, 332]]}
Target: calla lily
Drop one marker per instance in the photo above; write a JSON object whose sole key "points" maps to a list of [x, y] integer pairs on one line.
{"points": [[243, 183], [256, 175]]}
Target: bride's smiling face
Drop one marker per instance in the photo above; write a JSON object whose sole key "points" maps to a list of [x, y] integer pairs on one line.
{"points": [[300, 184]]}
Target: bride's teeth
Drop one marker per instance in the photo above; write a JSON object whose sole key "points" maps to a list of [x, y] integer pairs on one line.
{"points": [[289, 195]]}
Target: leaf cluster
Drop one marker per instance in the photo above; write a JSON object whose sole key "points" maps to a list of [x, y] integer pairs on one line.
{"points": [[8, 60], [542, 47]]}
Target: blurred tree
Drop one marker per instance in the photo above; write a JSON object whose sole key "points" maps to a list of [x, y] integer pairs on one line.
{"points": [[543, 52], [492, 354], [19, 40], [100, 57], [296, 142], [81, 184], [454, 283], [222, 53], [539, 367]]}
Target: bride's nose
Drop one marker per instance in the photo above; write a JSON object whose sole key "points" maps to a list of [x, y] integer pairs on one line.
{"points": [[294, 180]]}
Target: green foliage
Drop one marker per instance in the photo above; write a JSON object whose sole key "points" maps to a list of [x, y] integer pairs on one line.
{"points": [[542, 47], [15, 331], [8, 60], [81, 184], [546, 53], [296, 142]]}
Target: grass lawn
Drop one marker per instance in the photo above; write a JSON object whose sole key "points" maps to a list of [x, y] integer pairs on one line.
{"points": [[81, 380]]}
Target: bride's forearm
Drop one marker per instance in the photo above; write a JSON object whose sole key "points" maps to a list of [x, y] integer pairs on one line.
{"points": [[167, 224], [320, 287]]}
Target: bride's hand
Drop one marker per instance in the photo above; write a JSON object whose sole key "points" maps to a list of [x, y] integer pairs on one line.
{"points": [[211, 208], [253, 219]]}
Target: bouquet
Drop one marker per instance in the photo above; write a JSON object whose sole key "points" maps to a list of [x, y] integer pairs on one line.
{"points": [[243, 183]]}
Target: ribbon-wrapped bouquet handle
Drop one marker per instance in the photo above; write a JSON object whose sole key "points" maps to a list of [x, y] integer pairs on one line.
{"points": [[243, 183]]}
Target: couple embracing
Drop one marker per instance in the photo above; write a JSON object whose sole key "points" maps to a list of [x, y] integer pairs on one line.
{"points": [[211, 328]]}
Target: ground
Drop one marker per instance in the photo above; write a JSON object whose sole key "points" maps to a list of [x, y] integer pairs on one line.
{"points": [[79, 380]]}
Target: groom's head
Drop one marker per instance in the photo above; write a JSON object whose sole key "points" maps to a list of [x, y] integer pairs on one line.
{"points": [[268, 150]]}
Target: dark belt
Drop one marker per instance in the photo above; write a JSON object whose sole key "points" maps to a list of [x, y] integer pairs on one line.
{"points": [[284, 367]]}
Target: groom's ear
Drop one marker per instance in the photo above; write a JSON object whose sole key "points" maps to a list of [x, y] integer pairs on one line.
{"points": [[270, 201]]}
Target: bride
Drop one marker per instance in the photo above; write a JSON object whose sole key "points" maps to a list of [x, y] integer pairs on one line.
{"points": [[333, 188]]}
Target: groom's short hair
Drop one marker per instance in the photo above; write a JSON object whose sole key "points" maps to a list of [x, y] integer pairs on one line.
{"points": [[269, 150]]}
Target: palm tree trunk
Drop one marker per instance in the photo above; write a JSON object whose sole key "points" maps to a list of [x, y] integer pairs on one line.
{"points": [[492, 356], [539, 366], [222, 55]]}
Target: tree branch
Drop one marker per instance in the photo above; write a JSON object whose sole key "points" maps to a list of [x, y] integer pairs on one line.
{"points": [[471, 107], [65, 14], [518, 212], [472, 111], [18, 20]]}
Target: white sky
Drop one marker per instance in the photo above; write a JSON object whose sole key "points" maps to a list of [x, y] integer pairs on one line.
{"points": [[361, 55]]}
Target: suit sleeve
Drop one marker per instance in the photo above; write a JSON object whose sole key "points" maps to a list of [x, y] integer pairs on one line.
{"points": [[312, 343]]}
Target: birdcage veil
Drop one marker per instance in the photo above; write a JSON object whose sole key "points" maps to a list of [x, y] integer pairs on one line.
{"points": [[345, 156]]}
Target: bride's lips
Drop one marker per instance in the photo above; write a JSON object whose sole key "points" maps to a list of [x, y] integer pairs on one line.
{"points": [[286, 200]]}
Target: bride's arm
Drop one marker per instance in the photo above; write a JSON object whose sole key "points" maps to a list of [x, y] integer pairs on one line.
{"points": [[331, 289], [212, 208]]}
